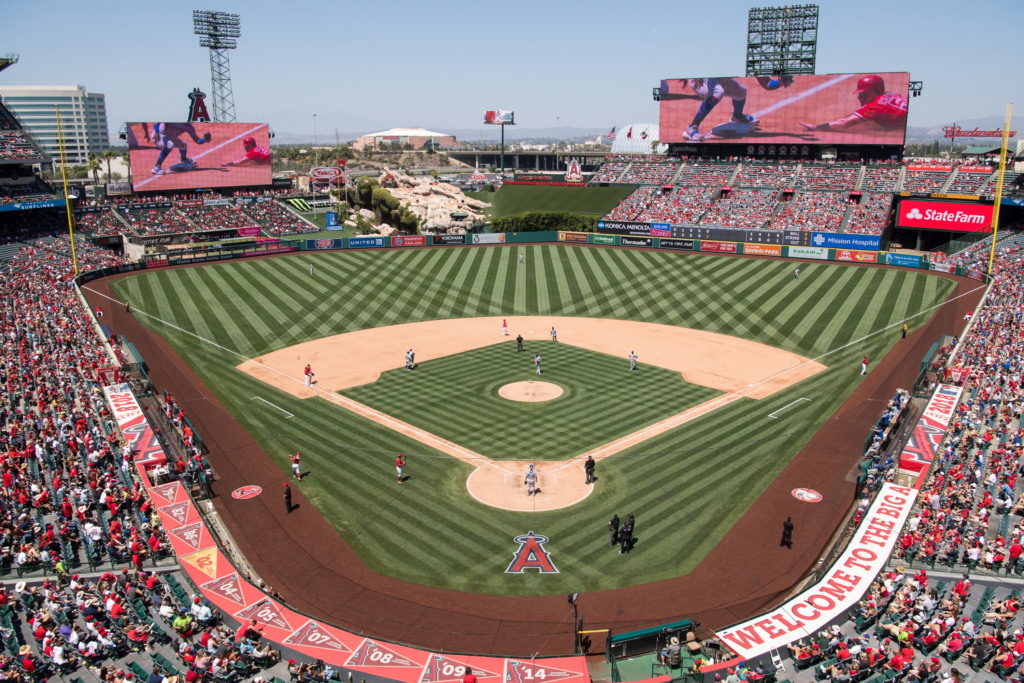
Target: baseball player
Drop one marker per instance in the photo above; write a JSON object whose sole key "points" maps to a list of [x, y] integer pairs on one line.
{"points": [[308, 372], [504, 327], [531, 481], [166, 136], [864, 366], [519, 343], [412, 359], [408, 360], [711, 91], [253, 155], [399, 464], [796, 274], [632, 360], [536, 361], [310, 267], [296, 470], [887, 109], [520, 259], [554, 335]]}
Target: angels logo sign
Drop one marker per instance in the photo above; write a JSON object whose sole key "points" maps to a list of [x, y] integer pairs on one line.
{"points": [[528, 672], [265, 611], [573, 171], [531, 555], [245, 492], [197, 108], [227, 587], [441, 669], [372, 653], [807, 495], [314, 635]]}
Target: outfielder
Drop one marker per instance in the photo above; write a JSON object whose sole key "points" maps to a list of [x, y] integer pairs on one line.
{"points": [[536, 361], [520, 259], [632, 360], [554, 335], [796, 274], [531, 481], [864, 366], [310, 267], [166, 137], [399, 464]]}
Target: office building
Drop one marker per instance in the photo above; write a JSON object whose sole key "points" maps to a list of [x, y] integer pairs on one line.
{"points": [[83, 118]]}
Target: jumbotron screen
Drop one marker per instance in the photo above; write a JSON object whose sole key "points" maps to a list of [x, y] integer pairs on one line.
{"points": [[185, 156], [833, 109]]}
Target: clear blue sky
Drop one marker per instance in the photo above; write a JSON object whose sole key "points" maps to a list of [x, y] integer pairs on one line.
{"points": [[371, 65]]}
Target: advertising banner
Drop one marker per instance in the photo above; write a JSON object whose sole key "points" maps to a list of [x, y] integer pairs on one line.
{"points": [[929, 167], [954, 216], [332, 219], [636, 241], [448, 239], [667, 243], [661, 230], [839, 590], [132, 422], [118, 189], [604, 239], [924, 440], [726, 247], [251, 231], [189, 203], [572, 237], [367, 242], [763, 249], [324, 244], [497, 116], [409, 241], [858, 256], [25, 206], [976, 169], [842, 240], [941, 267], [617, 228], [217, 202], [817, 253], [802, 109], [905, 260], [489, 238], [219, 155]]}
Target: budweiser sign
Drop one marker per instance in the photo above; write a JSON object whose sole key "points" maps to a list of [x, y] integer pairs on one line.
{"points": [[325, 174], [958, 132], [954, 216]]}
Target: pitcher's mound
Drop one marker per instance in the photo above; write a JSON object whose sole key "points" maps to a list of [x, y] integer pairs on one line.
{"points": [[530, 392]]}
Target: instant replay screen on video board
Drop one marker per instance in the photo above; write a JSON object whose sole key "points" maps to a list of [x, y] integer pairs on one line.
{"points": [[834, 109], [184, 156]]}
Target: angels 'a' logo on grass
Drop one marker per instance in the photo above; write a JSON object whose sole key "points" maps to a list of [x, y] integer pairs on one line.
{"points": [[314, 635], [807, 495], [227, 587], [532, 672], [441, 669], [531, 555], [372, 653]]}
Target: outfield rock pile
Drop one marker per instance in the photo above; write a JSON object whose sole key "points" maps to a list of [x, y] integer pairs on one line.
{"points": [[435, 203]]}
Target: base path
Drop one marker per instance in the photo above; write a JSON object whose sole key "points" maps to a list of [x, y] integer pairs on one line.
{"points": [[738, 367]]}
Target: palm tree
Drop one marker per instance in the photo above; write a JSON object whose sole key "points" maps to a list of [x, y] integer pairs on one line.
{"points": [[93, 166], [127, 164], [109, 156]]}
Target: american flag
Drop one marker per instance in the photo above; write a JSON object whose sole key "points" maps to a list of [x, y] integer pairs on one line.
{"points": [[611, 134]]}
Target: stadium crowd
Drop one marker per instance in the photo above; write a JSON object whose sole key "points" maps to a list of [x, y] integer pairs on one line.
{"points": [[705, 175], [649, 174], [925, 181], [768, 176], [680, 205], [14, 146], [880, 179], [812, 211], [24, 192], [100, 223], [156, 221], [609, 173], [223, 217], [630, 207], [870, 216], [276, 220], [741, 209], [837, 177]]}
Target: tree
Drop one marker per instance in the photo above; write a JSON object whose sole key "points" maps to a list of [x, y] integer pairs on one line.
{"points": [[93, 166], [109, 156], [127, 164]]}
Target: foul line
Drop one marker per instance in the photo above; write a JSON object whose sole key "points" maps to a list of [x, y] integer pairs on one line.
{"points": [[257, 398], [772, 415], [806, 93], [212, 149]]}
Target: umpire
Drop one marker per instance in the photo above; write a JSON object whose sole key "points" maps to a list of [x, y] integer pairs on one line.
{"points": [[626, 537], [787, 533], [287, 498], [613, 531], [519, 343]]}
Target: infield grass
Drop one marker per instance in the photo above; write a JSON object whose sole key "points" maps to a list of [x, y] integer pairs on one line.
{"points": [[513, 199], [687, 486]]}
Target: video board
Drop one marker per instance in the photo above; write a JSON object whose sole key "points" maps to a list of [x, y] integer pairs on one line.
{"points": [[835, 109], [184, 156]]}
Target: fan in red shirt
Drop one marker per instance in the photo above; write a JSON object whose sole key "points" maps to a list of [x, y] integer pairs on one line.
{"points": [[887, 109], [253, 154]]}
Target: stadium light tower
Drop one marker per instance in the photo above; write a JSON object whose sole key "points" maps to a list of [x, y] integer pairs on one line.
{"points": [[782, 41], [219, 31]]}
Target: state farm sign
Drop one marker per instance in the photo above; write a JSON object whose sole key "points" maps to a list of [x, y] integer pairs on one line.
{"points": [[955, 216]]}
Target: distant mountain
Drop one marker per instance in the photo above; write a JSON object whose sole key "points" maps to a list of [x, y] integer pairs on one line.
{"points": [[492, 133], [920, 135]]}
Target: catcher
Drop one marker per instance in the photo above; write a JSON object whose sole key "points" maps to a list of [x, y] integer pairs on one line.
{"points": [[167, 136]]}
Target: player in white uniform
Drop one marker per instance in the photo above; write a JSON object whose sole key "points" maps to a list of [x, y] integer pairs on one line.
{"points": [[554, 335], [166, 136], [632, 360], [531, 481], [536, 361], [520, 259], [796, 274]]}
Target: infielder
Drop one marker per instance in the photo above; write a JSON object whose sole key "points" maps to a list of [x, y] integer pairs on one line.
{"points": [[632, 360], [308, 372], [399, 464], [166, 137], [712, 91], [554, 335], [408, 360], [531, 481], [536, 361], [504, 327]]}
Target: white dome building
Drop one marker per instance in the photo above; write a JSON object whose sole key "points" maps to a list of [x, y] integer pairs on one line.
{"points": [[636, 139]]}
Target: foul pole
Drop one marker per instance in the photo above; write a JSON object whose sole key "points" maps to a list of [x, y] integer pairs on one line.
{"points": [[67, 197], [999, 186]]}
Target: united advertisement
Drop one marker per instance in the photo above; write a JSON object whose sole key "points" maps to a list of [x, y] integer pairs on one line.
{"points": [[832, 109]]}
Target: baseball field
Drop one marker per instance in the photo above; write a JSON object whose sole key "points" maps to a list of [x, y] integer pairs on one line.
{"points": [[687, 484], [514, 199]]}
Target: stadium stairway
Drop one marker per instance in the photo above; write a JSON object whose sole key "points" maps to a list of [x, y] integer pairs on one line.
{"points": [[847, 215], [618, 178], [860, 177], [675, 176], [799, 170], [124, 221], [901, 178], [950, 180], [735, 174]]}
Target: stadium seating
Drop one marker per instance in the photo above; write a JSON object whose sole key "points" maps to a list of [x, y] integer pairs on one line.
{"points": [[838, 177], [870, 216], [14, 146], [156, 221], [24, 192], [880, 179], [608, 173], [100, 223], [223, 217], [683, 205], [276, 220], [705, 175], [968, 183], [767, 176], [741, 209], [649, 174], [925, 181], [821, 211], [633, 205]]}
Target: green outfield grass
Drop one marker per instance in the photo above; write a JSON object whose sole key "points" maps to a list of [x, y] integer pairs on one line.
{"points": [[499, 428], [687, 487], [513, 199]]}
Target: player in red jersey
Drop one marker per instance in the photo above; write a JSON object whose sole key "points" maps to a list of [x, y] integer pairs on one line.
{"points": [[253, 154], [887, 109]]}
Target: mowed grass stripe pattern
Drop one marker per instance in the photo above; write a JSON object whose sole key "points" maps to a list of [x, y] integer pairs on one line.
{"points": [[456, 398], [686, 486]]}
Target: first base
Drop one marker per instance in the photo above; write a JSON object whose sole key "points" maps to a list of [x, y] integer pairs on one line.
{"points": [[732, 129], [181, 166]]}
